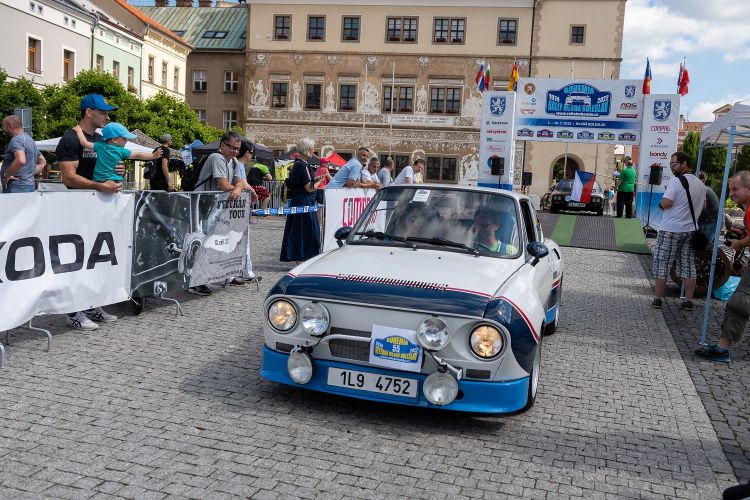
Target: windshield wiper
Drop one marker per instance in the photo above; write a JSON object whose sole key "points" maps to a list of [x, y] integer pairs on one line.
{"points": [[446, 243], [386, 236]]}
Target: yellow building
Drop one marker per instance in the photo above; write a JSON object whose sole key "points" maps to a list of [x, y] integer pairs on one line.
{"points": [[399, 76]]}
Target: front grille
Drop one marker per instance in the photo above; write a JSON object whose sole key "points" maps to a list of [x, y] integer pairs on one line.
{"points": [[481, 374], [351, 333], [350, 349], [281, 346], [393, 282]]}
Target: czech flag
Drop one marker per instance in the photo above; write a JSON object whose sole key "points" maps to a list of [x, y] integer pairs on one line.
{"points": [[513, 81], [479, 79], [583, 185], [647, 78], [683, 78]]}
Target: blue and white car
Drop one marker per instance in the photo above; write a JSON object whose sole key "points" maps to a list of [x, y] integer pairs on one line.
{"points": [[438, 297], [585, 134]]}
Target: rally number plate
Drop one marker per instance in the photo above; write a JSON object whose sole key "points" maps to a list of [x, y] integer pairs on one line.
{"points": [[373, 382], [576, 204]]}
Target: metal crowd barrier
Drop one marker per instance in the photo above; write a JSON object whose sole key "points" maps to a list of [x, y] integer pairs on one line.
{"points": [[276, 190]]}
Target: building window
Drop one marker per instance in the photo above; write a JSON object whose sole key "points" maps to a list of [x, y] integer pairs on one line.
{"points": [[577, 35], [316, 28], [507, 31], [347, 97], [312, 95], [441, 169], [229, 119], [401, 29], [449, 30], [151, 64], [179, 33], [116, 70], [32, 7], [215, 34], [131, 77], [402, 97], [40, 10], [350, 29], [66, 20], [231, 81], [99, 63], [445, 100], [201, 115], [164, 75], [176, 79], [200, 80], [34, 64], [72, 23], [68, 65], [279, 95], [282, 27]]}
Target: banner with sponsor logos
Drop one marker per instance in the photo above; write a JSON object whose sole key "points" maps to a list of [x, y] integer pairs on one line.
{"points": [[496, 146], [658, 142], [343, 208], [587, 111], [55, 257], [183, 240]]}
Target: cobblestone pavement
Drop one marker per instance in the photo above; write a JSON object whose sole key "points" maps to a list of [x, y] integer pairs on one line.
{"points": [[155, 406], [723, 389]]}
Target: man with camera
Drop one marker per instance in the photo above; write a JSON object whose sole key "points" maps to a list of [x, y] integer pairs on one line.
{"points": [[737, 310]]}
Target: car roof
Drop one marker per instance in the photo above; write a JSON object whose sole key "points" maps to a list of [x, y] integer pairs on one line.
{"points": [[455, 187]]}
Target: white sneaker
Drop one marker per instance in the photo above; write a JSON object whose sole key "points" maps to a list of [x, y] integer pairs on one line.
{"points": [[81, 322], [98, 314]]}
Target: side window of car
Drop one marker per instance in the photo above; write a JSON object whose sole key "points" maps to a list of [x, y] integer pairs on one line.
{"points": [[528, 221]]}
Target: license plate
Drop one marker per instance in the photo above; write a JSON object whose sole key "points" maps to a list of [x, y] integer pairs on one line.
{"points": [[373, 382], [576, 204]]}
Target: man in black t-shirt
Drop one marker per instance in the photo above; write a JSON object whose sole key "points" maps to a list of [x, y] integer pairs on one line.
{"points": [[76, 165], [161, 179]]}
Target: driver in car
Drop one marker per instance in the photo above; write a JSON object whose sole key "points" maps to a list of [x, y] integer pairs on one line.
{"points": [[487, 223]]}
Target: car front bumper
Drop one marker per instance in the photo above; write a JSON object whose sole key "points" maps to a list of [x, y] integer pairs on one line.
{"points": [[474, 396]]}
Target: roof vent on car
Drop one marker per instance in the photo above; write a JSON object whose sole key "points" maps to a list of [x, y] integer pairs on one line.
{"points": [[394, 282]]}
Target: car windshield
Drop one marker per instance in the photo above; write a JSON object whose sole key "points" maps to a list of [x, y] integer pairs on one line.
{"points": [[475, 222], [567, 185]]}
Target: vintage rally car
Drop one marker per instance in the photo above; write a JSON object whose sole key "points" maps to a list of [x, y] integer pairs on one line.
{"points": [[585, 134], [525, 132], [606, 136], [626, 136], [565, 134], [438, 297], [546, 133], [560, 199]]}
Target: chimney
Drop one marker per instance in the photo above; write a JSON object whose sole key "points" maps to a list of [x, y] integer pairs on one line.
{"points": [[204, 3], [184, 3], [160, 3]]}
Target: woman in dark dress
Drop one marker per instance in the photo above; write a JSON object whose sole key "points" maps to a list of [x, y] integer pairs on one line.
{"points": [[302, 231]]}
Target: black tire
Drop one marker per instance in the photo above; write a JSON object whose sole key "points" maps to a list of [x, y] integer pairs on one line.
{"points": [[554, 210], [136, 305], [600, 212], [534, 378]]}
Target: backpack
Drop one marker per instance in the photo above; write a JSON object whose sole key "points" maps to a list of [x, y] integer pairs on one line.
{"points": [[149, 169], [192, 174]]}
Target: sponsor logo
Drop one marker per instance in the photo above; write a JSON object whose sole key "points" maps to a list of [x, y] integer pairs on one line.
{"points": [[492, 148], [657, 154], [606, 136], [524, 132], [74, 258], [496, 123], [528, 111], [396, 348], [629, 105], [578, 99], [530, 102], [544, 133], [565, 134], [662, 110], [626, 136], [497, 105], [659, 140], [585, 135], [529, 88], [627, 115], [629, 91], [495, 132], [353, 208], [662, 129]]}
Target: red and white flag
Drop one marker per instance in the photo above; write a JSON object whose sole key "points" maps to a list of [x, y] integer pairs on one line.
{"points": [[683, 79]]}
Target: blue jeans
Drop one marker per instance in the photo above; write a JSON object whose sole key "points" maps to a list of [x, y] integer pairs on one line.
{"points": [[13, 187]]}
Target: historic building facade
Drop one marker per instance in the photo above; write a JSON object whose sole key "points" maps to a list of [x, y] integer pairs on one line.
{"points": [[399, 78]]}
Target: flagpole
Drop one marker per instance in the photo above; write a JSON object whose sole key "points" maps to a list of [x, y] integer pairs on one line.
{"points": [[364, 103], [393, 88]]}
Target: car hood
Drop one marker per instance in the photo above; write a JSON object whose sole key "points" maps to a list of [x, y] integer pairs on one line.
{"points": [[426, 280]]}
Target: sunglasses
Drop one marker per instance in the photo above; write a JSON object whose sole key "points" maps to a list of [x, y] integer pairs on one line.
{"points": [[232, 148]]}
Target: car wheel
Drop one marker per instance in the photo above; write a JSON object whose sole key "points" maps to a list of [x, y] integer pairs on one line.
{"points": [[534, 378], [136, 305]]}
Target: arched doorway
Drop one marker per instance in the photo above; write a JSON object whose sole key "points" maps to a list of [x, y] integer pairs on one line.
{"points": [[561, 170]]}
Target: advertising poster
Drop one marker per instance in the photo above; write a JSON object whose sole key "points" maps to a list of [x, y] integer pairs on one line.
{"points": [[496, 146], [55, 257], [343, 208], [658, 143], [587, 111], [183, 240]]}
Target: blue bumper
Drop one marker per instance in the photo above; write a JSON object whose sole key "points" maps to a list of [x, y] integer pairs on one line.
{"points": [[474, 396]]}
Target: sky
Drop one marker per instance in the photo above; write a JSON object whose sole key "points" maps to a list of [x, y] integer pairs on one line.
{"points": [[713, 36]]}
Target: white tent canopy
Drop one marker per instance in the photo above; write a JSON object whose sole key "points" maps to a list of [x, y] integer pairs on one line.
{"points": [[717, 132], [51, 144]]}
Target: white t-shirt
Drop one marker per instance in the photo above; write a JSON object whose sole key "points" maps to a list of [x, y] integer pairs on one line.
{"points": [[677, 218], [366, 176], [406, 173]]}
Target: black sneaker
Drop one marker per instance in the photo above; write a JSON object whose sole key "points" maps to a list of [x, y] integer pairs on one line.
{"points": [[687, 305], [236, 282], [656, 303], [713, 353], [199, 290]]}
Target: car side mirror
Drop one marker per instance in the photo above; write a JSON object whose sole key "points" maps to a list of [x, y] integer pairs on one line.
{"points": [[341, 234], [537, 250]]}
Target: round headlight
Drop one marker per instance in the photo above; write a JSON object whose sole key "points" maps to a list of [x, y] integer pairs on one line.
{"points": [[486, 341], [314, 319], [433, 333], [282, 315], [440, 388], [300, 367]]}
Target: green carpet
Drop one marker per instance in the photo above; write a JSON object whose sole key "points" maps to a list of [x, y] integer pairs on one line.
{"points": [[563, 232], [629, 236]]}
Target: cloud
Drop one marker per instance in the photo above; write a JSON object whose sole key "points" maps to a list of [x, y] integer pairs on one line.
{"points": [[703, 111]]}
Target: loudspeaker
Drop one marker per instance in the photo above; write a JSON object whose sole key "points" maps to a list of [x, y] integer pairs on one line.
{"points": [[654, 176], [526, 179], [497, 165]]}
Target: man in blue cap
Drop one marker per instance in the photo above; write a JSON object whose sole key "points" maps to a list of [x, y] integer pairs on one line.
{"points": [[77, 170]]}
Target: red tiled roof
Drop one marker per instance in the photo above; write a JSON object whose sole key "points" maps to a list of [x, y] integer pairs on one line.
{"points": [[144, 18]]}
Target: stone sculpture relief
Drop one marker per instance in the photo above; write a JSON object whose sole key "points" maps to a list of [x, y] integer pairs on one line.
{"points": [[332, 59], [260, 96], [330, 99], [423, 61], [422, 101], [469, 173], [473, 105], [260, 60], [298, 58], [296, 90], [370, 99]]}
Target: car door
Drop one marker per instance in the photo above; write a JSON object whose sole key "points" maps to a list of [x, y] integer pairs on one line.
{"points": [[541, 274]]}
